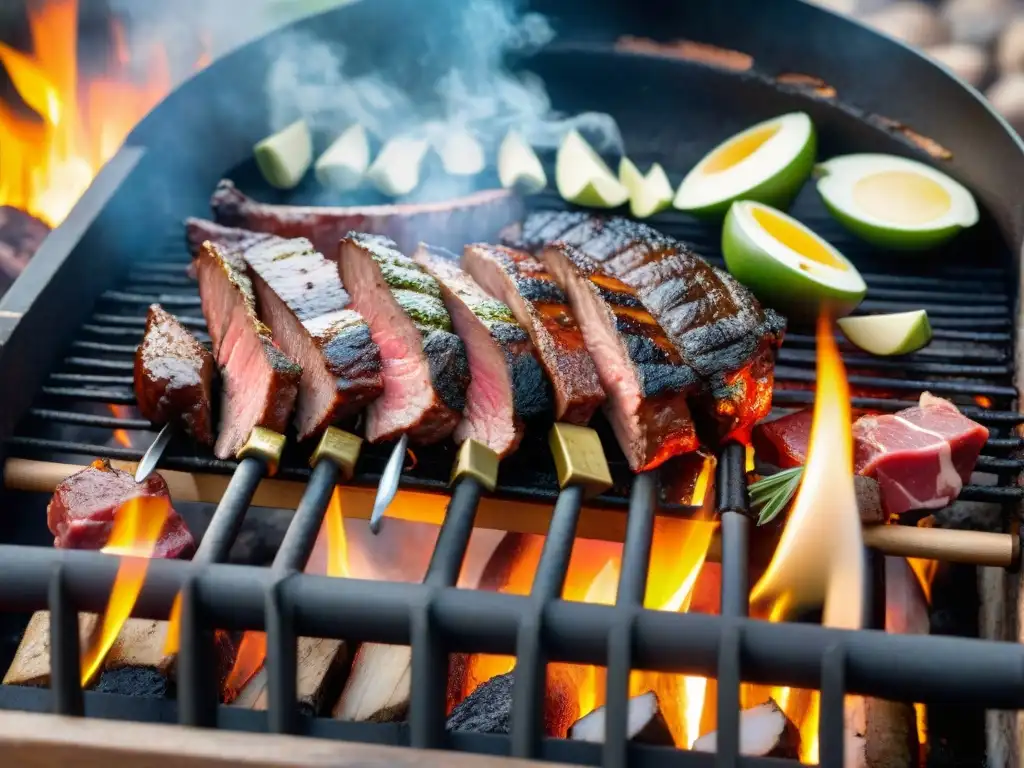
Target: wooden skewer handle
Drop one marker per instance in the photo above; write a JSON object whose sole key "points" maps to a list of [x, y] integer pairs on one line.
{"points": [[952, 546]]}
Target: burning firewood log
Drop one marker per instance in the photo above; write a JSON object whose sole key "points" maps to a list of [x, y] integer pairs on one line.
{"points": [[765, 731], [645, 723], [20, 236], [321, 666]]}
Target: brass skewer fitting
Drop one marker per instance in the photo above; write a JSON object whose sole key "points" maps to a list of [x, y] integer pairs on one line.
{"points": [[579, 458], [478, 461], [263, 444], [340, 447]]}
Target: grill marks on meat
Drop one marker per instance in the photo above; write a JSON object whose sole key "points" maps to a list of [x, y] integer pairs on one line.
{"points": [[717, 325], [921, 457], [450, 224], [642, 373], [258, 381], [174, 376], [507, 384], [424, 364], [541, 307], [81, 513], [302, 300]]}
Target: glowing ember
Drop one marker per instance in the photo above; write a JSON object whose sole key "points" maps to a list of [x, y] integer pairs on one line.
{"points": [[137, 526], [252, 650], [925, 571], [48, 160], [983, 401]]}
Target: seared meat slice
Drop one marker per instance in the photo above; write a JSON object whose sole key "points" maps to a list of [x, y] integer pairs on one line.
{"points": [[507, 384], [258, 381], [450, 224], [81, 512], [232, 241], [424, 364], [302, 300], [174, 376], [541, 307], [644, 376], [719, 327]]}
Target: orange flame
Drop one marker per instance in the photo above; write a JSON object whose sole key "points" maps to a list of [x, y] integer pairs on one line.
{"points": [[925, 571], [983, 400], [136, 528], [252, 650], [48, 160], [122, 437], [819, 559]]}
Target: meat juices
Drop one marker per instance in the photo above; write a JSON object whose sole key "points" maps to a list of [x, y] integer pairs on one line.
{"points": [[720, 329], [259, 383], [921, 457], [174, 376], [448, 224], [81, 513], [424, 363], [641, 372], [542, 309], [507, 384]]}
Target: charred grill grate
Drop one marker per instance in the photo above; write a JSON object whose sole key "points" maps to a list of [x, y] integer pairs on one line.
{"points": [[971, 362]]}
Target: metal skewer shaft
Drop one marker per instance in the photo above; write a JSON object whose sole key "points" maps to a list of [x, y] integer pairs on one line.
{"points": [[153, 454], [388, 486]]}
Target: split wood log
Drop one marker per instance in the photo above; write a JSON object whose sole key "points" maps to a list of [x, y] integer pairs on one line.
{"points": [[765, 731], [645, 723], [321, 668], [378, 686]]}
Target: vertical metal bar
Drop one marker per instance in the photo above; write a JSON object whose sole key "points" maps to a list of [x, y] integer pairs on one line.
{"points": [[729, 658], [636, 558], [282, 661], [832, 704], [197, 688], [230, 512], [874, 589], [429, 654], [453, 538], [531, 663], [65, 667], [731, 491], [305, 525]]}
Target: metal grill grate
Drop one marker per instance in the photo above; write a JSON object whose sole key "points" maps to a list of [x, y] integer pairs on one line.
{"points": [[970, 362]]}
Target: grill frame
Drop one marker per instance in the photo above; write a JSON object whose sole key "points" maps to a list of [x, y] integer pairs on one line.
{"points": [[433, 615]]}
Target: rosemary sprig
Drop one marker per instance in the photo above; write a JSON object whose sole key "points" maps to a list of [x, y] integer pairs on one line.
{"points": [[774, 492]]}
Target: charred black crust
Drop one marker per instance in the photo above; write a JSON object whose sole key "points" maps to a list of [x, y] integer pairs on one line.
{"points": [[279, 362], [619, 298], [449, 366], [228, 204], [656, 373], [353, 352], [531, 390], [535, 289]]}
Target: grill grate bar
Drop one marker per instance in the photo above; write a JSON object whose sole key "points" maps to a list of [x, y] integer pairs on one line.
{"points": [[139, 321], [91, 420], [167, 299], [113, 349], [786, 373], [946, 334], [107, 365], [791, 397], [940, 310], [806, 357], [90, 378]]}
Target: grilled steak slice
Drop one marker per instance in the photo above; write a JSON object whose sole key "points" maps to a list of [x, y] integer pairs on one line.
{"points": [[424, 364], [302, 300], [719, 327], [541, 307], [258, 381], [507, 384], [81, 512], [921, 457], [644, 376], [450, 224], [174, 376], [233, 242]]}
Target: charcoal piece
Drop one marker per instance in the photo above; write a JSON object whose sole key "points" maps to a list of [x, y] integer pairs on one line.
{"points": [[133, 681], [488, 709]]}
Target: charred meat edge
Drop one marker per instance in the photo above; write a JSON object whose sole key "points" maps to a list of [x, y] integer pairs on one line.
{"points": [[507, 383], [174, 376], [449, 224], [303, 301], [259, 383], [423, 362], [542, 308], [646, 383]]}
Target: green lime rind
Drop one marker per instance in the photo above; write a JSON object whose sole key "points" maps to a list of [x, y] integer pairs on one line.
{"points": [[284, 157], [777, 284], [778, 191], [892, 238], [899, 333]]}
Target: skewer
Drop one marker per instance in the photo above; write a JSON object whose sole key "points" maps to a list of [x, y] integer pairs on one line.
{"points": [[154, 453], [388, 486]]}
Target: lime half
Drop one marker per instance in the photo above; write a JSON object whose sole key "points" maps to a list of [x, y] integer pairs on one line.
{"points": [[787, 265], [897, 334], [284, 157], [893, 202], [343, 164], [519, 167], [583, 178], [649, 193], [767, 163]]}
